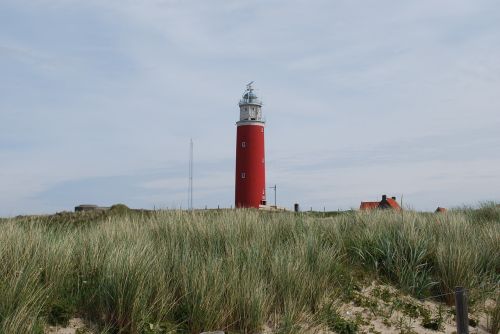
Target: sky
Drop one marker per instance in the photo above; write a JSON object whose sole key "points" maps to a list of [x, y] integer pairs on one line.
{"points": [[99, 100]]}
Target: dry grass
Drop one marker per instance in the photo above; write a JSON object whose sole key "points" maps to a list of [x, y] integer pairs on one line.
{"points": [[234, 270]]}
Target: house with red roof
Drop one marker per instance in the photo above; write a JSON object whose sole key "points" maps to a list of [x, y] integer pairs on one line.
{"points": [[385, 203]]}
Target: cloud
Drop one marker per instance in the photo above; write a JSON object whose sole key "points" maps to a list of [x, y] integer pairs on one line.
{"points": [[102, 93]]}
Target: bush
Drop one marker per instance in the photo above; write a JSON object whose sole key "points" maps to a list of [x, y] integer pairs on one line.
{"points": [[120, 209]]}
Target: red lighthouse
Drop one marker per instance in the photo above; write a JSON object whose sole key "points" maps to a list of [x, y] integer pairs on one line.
{"points": [[250, 164]]}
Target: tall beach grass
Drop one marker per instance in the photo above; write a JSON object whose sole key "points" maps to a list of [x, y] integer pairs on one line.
{"points": [[235, 270]]}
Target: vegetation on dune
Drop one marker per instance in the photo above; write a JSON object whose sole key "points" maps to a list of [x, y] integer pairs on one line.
{"points": [[173, 271]]}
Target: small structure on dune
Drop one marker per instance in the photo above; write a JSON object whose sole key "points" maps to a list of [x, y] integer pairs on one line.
{"points": [[385, 203], [89, 207], [440, 209]]}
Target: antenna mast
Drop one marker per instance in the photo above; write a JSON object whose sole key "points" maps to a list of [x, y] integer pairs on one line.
{"points": [[275, 205], [190, 189]]}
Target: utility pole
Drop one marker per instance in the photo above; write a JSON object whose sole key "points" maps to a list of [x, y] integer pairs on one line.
{"points": [[274, 195], [190, 189]]}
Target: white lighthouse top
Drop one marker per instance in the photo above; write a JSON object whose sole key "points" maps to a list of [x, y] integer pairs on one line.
{"points": [[250, 106], [249, 96]]}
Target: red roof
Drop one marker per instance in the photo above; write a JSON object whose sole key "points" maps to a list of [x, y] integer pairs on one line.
{"points": [[369, 205], [393, 204], [385, 203]]}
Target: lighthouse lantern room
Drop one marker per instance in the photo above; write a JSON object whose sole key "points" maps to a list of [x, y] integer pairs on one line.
{"points": [[250, 187]]}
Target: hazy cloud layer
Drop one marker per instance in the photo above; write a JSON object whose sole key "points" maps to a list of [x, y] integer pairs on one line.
{"points": [[99, 100]]}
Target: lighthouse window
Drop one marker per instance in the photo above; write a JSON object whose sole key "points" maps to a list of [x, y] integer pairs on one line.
{"points": [[243, 175], [243, 144]]}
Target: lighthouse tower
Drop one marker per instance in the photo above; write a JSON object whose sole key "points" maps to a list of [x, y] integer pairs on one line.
{"points": [[250, 189]]}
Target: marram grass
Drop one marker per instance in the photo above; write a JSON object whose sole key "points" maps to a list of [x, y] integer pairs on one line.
{"points": [[188, 272]]}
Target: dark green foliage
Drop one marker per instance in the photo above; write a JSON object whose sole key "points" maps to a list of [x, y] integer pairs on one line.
{"points": [[322, 214], [330, 316], [59, 312], [435, 323], [487, 212], [473, 322], [120, 209], [383, 293]]}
